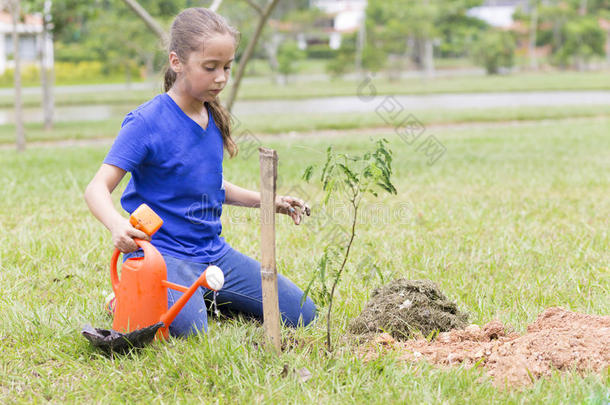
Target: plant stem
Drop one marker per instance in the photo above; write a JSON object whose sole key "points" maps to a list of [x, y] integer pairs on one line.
{"points": [[332, 291]]}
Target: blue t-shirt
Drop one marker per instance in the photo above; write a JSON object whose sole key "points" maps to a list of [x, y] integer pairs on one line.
{"points": [[176, 168]]}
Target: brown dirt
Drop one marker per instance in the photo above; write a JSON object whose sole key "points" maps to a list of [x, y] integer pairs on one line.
{"points": [[557, 340], [405, 308]]}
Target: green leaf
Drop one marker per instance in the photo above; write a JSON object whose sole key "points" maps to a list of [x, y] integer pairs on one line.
{"points": [[330, 186], [307, 174], [322, 266], [329, 159], [388, 187], [306, 292], [375, 170], [349, 174]]}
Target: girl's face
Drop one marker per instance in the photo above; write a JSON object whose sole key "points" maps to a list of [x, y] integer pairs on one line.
{"points": [[206, 71]]}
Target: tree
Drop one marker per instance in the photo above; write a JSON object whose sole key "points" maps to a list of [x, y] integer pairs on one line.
{"points": [[110, 46], [353, 177], [15, 19], [533, 28], [584, 39], [570, 27], [495, 50], [44, 7], [150, 22], [293, 18], [263, 14], [46, 74], [412, 27], [345, 57], [288, 54]]}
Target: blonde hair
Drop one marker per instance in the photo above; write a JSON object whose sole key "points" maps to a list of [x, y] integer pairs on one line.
{"points": [[189, 29]]}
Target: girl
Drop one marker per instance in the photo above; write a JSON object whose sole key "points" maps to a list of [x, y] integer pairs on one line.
{"points": [[173, 147]]}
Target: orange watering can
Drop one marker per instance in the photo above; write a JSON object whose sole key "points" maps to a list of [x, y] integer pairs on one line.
{"points": [[141, 293]]}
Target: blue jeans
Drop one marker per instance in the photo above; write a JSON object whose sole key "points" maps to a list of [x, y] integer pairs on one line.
{"points": [[241, 293]]}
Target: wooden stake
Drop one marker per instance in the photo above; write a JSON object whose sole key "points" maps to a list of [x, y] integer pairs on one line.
{"points": [[271, 308]]}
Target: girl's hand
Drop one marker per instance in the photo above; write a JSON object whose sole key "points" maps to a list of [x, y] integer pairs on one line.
{"points": [[123, 234], [292, 206]]}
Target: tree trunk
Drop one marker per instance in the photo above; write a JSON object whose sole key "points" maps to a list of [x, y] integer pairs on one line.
{"points": [[128, 75], [152, 24], [245, 57], [47, 73], [360, 41], [556, 35], [150, 64], [533, 31], [20, 133], [271, 48], [215, 5], [428, 51], [428, 57], [608, 49], [411, 53], [583, 7]]}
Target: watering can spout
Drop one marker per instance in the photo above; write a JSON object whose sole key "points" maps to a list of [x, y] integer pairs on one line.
{"points": [[212, 278]]}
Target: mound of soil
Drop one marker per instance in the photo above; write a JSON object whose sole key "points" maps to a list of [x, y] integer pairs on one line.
{"points": [[557, 340], [404, 308]]}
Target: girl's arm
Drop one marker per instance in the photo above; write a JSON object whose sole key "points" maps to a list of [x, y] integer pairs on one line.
{"points": [[97, 196], [295, 207], [235, 195]]}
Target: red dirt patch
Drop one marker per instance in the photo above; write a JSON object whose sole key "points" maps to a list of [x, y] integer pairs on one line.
{"points": [[557, 340]]}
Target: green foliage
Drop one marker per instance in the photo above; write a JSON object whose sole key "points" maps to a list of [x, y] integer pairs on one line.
{"points": [[390, 23], [110, 46], [572, 32], [358, 175], [73, 52], [82, 71], [288, 54], [457, 33], [344, 58], [71, 18], [339, 65], [495, 50], [584, 39], [67, 73], [108, 31], [373, 58], [296, 11], [352, 177], [30, 74], [593, 7], [320, 51]]}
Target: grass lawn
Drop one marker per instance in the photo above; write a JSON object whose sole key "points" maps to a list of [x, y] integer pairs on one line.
{"points": [[509, 221], [300, 89], [548, 81], [286, 123]]}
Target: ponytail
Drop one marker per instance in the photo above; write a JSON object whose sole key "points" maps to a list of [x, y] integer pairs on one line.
{"points": [[222, 119]]}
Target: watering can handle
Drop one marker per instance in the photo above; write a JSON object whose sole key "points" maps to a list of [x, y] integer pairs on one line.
{"points": [[114, 276], [149, 251]]}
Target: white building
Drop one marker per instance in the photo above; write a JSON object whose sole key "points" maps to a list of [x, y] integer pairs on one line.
{"points": [[347, 17], [498, 13], [30, 42]]}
